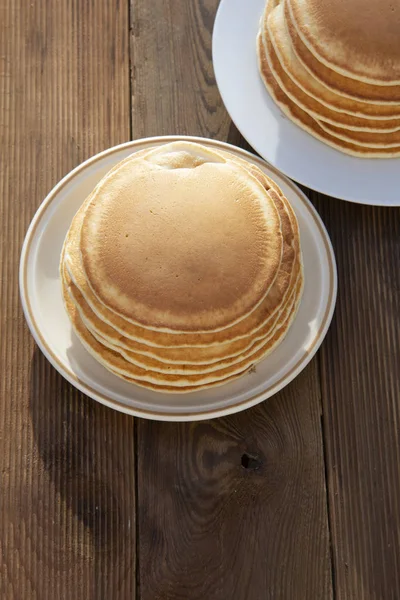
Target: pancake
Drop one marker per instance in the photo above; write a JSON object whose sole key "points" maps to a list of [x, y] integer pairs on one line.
{"points": [[353, 88], [117, 364], [355, 38], [254, 321], [184, 368], [176, 361], [294, 68], [258, 319], [175, 356], [275, 36], [82, 334], [158, 267], [363, 138], [280, 290], [169, 389], [289, 270], [172, 355], [308, 123]]}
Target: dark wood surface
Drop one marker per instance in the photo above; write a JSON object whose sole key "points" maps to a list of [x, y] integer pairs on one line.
{"points": [[298, 498], [67, 465], [360, 385]]}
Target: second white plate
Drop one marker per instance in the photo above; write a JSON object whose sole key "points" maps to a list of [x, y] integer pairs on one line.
{"points": [[282, 143]]}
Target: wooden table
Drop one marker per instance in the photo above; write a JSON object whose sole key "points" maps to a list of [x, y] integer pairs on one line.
{"points": [[298, 498]]}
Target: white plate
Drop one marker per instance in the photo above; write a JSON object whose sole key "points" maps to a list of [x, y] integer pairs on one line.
{"points": [[42, 302], [282, 143]]}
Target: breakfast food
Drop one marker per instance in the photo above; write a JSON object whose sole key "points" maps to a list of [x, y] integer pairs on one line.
{"points": [[334, 69], [182, 269]]}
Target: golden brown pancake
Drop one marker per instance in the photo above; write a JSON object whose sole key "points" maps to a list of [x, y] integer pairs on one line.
{"points": [[115, 362], [185, 368], [84, 336], [153, 244], [259, 318], [267, 314], [170, 389], [182, 362], [371, 139], [275, 36], [341, 84], [172, 355], [177, 356], [355, 38], [295, 69], [304, 120]]}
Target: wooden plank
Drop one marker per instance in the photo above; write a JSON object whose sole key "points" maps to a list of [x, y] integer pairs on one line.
{"points": [[67, 520], [361, 400], [233, 508]]}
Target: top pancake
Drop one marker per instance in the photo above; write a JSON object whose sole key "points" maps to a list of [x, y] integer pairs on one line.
{"points": [[356, 38], [307, 122], [257, 320], [342, 84], [181, 240], [275, 36]]}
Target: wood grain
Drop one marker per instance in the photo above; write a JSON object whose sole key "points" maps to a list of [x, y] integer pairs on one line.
{"points": [[236, 507], [233, 508], [67, 507], [361, 398], [173, 85]]}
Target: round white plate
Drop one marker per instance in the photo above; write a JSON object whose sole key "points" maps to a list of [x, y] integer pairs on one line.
{"points": [[282, 143], [44, 311]]}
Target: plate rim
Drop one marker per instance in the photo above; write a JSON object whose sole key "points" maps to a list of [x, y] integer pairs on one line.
{"points": [[337, 196], [103, 398]]}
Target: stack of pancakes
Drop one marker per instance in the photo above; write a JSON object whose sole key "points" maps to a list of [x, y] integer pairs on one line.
{"points": [[334, 69], [183, 268]]}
